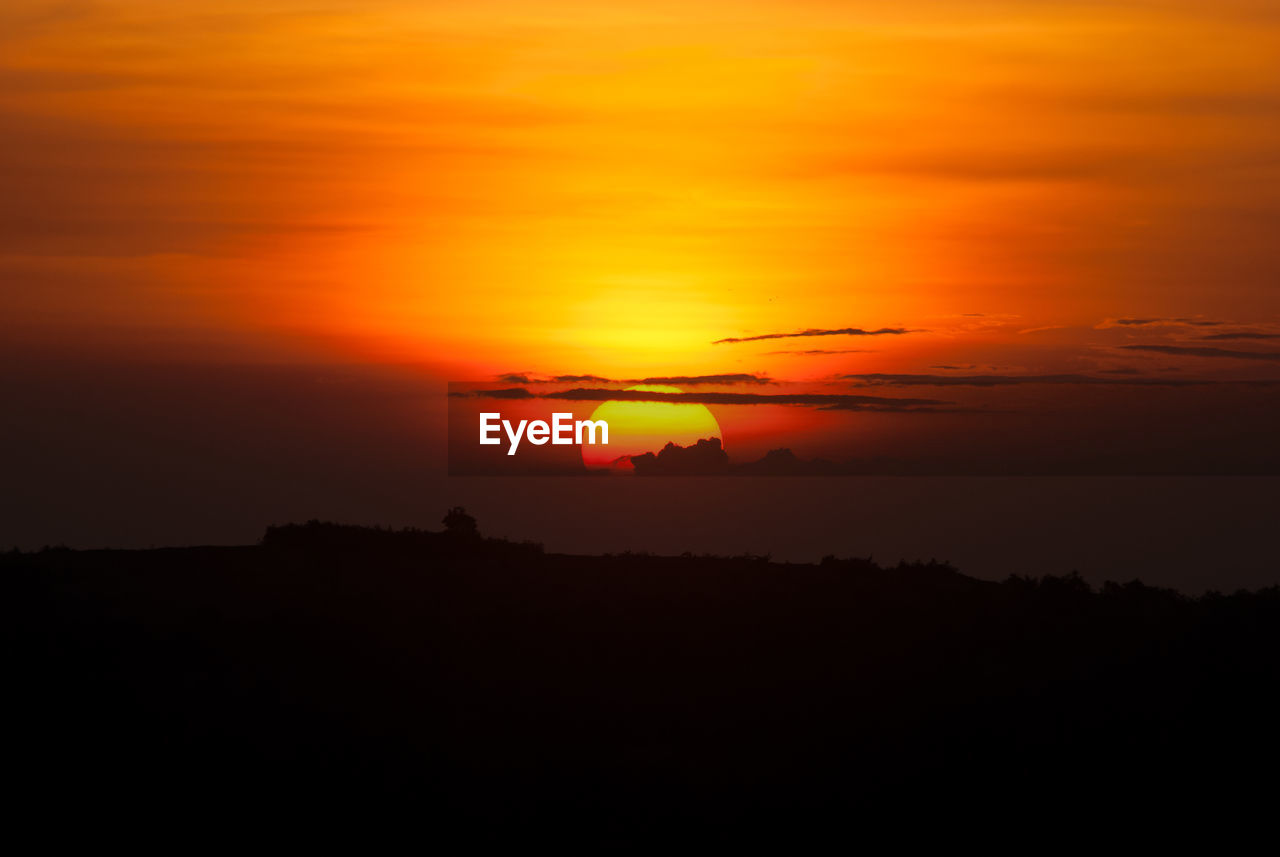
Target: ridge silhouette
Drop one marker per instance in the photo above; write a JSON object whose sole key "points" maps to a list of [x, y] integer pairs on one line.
{"points": [[495, 691]]}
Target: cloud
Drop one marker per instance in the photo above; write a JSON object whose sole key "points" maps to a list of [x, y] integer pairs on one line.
{"points": [[816, 351], [1242, 335], [1187, 351], [705, 458], [882, 380], [843, 331], [1156, 322], [688, 380], [736, 378], [826, 401], [507, 393], [1043, 329], [829, 400], [577, 379], [851, 404]]}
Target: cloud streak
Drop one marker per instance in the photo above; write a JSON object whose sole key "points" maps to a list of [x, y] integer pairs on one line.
{"points": [[814, 331], [507, 393], [811, 352], [688, 380], [736, 378], [574, 379], [824, 401], [1157, 322], [1194, 351], [1219, 337], [883, 380]]}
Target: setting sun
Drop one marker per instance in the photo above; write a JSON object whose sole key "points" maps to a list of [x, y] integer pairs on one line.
{"points": [[639, 427]]}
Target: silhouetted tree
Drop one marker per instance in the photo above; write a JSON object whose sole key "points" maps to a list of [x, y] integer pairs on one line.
{"points": [[459, 522]]}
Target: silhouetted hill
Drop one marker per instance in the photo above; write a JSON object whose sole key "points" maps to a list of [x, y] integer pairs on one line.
{"points": [[495, 694]]}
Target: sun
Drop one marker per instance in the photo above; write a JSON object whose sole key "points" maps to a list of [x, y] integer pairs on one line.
{"points": [[639, 427]]}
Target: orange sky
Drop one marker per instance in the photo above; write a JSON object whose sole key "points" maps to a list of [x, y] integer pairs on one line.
{"points": [[245, 244], [584, 187]]}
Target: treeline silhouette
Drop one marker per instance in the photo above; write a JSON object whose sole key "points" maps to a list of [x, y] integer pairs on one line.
{"points": [[494, 692]]}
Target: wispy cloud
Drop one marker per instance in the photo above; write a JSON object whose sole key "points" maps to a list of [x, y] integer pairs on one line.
{"points": [[825, 401], [813, 331], [576, 379], [506, 393], [883, 380], [687, 380], [1193, 351], [1157, 322], [813, 352], [1242, 335], [693, 380]]}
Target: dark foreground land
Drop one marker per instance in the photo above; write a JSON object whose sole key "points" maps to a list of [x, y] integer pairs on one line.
{"points": [[489, 693]]}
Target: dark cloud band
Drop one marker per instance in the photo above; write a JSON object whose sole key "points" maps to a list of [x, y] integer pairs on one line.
{"points": [[1193, 351], [1220, 337]]}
